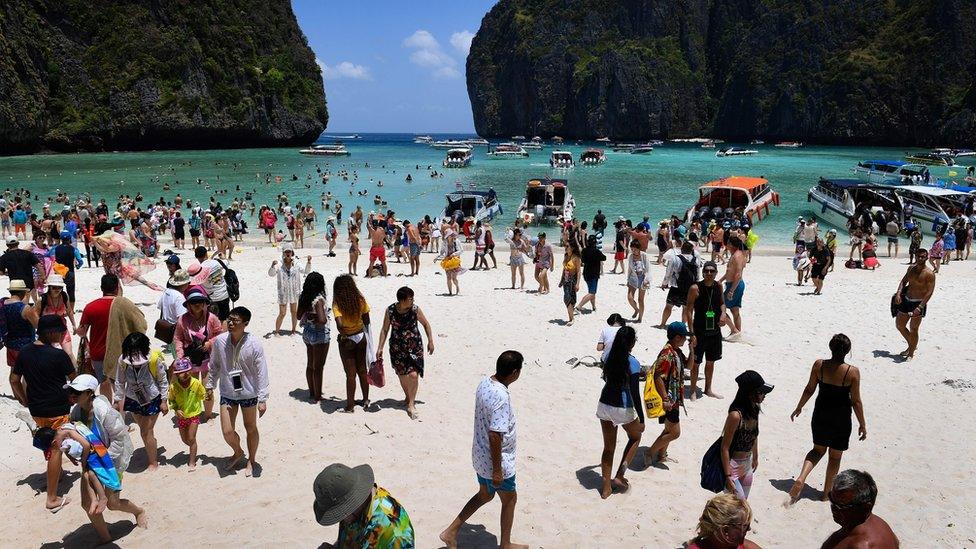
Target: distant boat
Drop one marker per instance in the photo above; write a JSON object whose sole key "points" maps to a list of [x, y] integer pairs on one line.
{"points": [[518, 138], [458, 158], [603, 140], [623, 147], [449, 144], [477, 142], [507, 150], [592, 157], [546, 201], [423, 140], [561, 160], [326, 150], [930, 159], [353, 136], [697, 140], [557, 140], [481, 205], [955, 153], [789, 144], [643, 148], [889, 172], [708, 145], [757, 142], [735, 151]]}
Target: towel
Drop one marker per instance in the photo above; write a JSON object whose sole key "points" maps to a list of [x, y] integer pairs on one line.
{"points": [[123, 319]]}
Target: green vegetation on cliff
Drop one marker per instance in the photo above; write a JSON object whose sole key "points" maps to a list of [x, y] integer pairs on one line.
{"points": [[94, 74]]}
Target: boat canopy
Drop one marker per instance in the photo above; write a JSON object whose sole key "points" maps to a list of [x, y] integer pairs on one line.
{"points": [[892, 163], [754, 186], [844, 183]]}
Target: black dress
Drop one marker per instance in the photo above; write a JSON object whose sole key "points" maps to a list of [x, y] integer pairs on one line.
{"points": [[831, 421]]}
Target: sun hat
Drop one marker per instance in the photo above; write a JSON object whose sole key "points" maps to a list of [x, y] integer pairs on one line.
{"points": [[55, 280], [196, 294], [678, 328], [287, 247], [17, 285], [182, 365], [339, 490], [751, 380], [180, 277], [51, 323], [84, 382]]}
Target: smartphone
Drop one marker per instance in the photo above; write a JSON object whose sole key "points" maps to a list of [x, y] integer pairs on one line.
{"points": [[237, 381]]}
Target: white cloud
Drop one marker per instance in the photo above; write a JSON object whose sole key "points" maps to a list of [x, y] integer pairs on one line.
{"points": [[428, 53], [462, 41], [344, 69]]}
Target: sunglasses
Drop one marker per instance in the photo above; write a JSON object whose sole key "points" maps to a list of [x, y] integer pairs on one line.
{"points": [[842, 506], [709, 271], [235, 320]]}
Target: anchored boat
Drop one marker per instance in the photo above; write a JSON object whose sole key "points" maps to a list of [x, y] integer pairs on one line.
{"points": [[751, 195], [458, 158], [592, 157], [337, 149], [735, 151], [481, 205], [561, 160], [546, 201]]}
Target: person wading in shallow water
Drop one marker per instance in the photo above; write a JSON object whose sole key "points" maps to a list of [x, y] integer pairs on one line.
{"points": [[911, 300]]}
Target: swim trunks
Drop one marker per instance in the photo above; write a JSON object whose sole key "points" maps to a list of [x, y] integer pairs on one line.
{"points": [[377, 253], [736, 301], [414, 250]]}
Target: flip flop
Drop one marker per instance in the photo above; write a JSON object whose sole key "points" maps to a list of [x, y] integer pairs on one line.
{"points": [[64, 501]]}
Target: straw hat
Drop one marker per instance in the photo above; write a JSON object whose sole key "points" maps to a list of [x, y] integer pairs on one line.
{"points": [[55, 280], [17, 285], [180, 277]]}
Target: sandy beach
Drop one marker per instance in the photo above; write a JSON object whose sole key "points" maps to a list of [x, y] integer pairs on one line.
{"points": [[920, 429]]}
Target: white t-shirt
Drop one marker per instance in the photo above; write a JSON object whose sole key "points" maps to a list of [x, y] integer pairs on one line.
{"points": [[493, 412], [215, 284], [606, 338], [171, 305]]}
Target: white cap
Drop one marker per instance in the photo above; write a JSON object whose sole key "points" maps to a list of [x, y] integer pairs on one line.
{"points": [[84, 382], [12, 241]]}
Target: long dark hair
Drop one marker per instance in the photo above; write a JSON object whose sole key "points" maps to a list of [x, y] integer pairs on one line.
{"points": [[314, 286], [745, 403], [135, 345], [616, 369], [345, 295]]}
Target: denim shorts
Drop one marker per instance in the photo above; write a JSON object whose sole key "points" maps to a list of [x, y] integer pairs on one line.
{"points": [[591, 285], [245, 403], [313, 334]]}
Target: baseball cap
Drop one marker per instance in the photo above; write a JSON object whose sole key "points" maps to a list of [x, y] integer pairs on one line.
{"points": [[678, 328], [13, 241], [84, 382], [173, 259], [751, 380]]}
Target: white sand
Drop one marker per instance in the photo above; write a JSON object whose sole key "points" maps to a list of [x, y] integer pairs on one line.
{"points": [[919, 445]]}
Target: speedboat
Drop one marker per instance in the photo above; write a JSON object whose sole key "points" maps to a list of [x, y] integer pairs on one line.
{"points": [[476, 142], [735, 151], [709, 144], [337, 149], [353, 136], [518, 138], [603, 140], [623, 147], [507, 150], [889, 172], [933, 207], [531, 145], [643, 148], [757, 142], [557, 140], [449, 144], [752, 196], [955, 153], [789, 144], [481, 205], [423, 140], [841, 199], [592, 157], [546, 201], [930, 159], [458, 158], [561, 160]]}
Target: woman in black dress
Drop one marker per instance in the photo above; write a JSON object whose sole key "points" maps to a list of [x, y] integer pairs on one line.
{"points": [[822, 258], [406, 347], [840, 393]]}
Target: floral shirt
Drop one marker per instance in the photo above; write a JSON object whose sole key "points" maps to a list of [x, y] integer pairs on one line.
{"points": [[670, 365], [385, 526]]}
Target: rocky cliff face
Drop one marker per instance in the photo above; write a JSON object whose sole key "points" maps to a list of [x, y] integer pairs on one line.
{"points": [[139, 74], [831, 71]]}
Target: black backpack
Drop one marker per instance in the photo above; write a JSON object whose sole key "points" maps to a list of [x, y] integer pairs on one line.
{"points": [[233, 284], [688, 274]]}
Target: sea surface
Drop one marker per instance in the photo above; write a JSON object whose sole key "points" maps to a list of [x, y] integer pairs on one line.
{"points": [[656, 184]]}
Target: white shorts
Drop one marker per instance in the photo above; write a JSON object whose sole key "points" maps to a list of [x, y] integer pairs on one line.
{"points": [[617, 416]]}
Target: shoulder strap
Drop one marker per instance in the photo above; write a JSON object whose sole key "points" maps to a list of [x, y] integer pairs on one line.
{"points": [[154, 357], [844, 382], [222, 264]]}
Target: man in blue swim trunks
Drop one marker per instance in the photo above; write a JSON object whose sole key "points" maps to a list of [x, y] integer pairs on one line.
{"points": [[493, 451], [734, 287]]}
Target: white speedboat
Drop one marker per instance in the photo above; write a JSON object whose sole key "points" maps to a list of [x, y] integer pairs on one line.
{"points": [[518, 138], [955, 153], [546, 201], [708, 144], [930, 159], [735, 151], [353, 136], [476, 142], [789, 144], [623, 147], [603, 140], [531, 145], [507, 150], [556, 140], [757, 142], [643, 148], [458, 158], [933, 207], [481, 205], [337, 149], [449, 144], [592, 157], [423, 140], [838, 200], [889, 172], [561, 160], [752, 196]]}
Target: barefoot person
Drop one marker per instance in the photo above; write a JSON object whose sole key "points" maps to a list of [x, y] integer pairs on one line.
{"points": [[852, 504], [740, 436], [367, 515], [705, 313], [45, 369], [351, 314], [638, 279], [840, 393], [734, 286], [313, 310], [593, 260], [406, 348], [667, 375], [239, 368], [543, 263], [141, 387], [377, 249], [98, 415], [911, 299], [620, 405], [289, 279], [493, 451], [186, 395], [518, 248]]}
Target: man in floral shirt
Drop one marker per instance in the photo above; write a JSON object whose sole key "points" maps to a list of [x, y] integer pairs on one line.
{"points": [[368, 516], [668, 376]]}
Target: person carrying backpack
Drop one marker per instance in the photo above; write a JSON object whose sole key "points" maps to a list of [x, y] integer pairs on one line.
{"points": [[141, 387], [680, 274]]}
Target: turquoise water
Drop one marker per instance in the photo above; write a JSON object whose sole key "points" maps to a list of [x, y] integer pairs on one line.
{"points": [[656, 184]]}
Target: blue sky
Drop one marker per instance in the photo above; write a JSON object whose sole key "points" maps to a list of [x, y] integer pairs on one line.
{"points": [[393, 66]]}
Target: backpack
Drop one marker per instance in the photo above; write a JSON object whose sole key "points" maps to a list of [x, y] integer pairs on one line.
{"points": [[155, 356], [688, 274], [233, 283]]}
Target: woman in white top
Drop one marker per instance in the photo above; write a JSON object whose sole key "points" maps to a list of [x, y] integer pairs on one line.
{"points": [[290, 278], [638, 279]]}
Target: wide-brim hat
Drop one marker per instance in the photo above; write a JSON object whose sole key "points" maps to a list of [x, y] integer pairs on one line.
{"points": [[54, 280], [179, 278], [196, 294], [17, 285], [339, 490]]}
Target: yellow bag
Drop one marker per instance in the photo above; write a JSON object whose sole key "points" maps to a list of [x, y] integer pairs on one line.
{"points": [[653, 403], [451, 263]]}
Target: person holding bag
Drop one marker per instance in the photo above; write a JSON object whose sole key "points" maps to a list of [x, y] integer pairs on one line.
{"points": [[740, 436], [619, 406], [406, 347], [665, 389]]}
